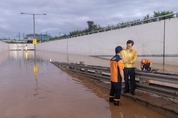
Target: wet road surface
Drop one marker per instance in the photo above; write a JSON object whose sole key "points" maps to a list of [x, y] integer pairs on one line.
{"points": [[35, 88]]}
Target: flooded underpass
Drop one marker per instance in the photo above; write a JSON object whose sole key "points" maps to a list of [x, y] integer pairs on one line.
{"points": [[32, 87]]}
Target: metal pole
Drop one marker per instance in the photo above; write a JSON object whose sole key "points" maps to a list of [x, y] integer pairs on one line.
{"points": [[23, 36], [34, 30], [19, 36], [46, 35], [67, 52], [41, 37], [33, 24], [164, 45]]}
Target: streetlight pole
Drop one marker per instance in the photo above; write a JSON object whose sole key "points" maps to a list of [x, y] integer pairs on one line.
{"points": [[33, 24], [34, 30]]}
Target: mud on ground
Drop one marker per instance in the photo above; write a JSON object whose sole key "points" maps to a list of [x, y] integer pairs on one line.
{"points": [[165, 106]]}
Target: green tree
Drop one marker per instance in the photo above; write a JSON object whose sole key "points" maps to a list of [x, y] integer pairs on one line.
{"points": [[90, 25], [136, 22], [146, 19], [163, 13]]}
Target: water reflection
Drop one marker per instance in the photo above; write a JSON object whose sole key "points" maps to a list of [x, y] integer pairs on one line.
{"points": [[72, 58], [29, 79], [115, 113], [26, 55], [3, 57], [127, 108], [35, 70]]}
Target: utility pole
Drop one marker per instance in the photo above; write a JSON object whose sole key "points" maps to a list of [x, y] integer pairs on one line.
{"points": [[23, 35], [46, 35], [34, 38], [41, 37], [19, 35]]}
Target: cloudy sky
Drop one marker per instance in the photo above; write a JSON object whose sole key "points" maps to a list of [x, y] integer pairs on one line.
{"points": [[67, 15]]}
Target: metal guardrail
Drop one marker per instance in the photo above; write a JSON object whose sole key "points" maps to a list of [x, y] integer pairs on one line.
{"points": [[100, 72], [127, 24]]}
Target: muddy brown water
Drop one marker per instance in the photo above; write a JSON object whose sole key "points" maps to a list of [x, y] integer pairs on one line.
{"points": [[48, 92]]}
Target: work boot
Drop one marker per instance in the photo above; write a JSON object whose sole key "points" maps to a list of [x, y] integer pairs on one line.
{"points": [[126, 91], [111, 98], [116, 102], [132, 93]]}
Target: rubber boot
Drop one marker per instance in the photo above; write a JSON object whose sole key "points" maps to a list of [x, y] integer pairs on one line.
{"points": [[116, 102], [111, 98]]}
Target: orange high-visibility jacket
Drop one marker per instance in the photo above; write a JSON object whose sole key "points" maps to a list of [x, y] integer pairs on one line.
{"points": [[145, 61], [116, 65]]}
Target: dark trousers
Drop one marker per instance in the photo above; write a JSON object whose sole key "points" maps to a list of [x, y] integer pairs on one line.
{"points": [[115, 89], [129, 73]]}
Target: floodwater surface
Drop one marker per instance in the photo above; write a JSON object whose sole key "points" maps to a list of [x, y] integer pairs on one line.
{"points": [[32, 87]]}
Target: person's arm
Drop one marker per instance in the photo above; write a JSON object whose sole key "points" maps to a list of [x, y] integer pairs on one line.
{"points": [[122, 74], [121, 69], [150, 63], [134, 58], [124, 60], [141, 64], [123, 57]]}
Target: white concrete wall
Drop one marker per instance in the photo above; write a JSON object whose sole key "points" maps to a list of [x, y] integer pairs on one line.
{"points": [[144, 36], [55, 46], [171, 36], [3, 57], [3, 47], [3, 52], [171, 42], [148, 40]]}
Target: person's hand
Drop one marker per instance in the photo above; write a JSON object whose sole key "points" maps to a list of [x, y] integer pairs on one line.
{"points": [[129, 62], [123, 80], [126, 62]]}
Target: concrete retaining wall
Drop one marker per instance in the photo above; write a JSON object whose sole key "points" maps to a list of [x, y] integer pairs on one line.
{"points": [[3, 52], [149, 42], [3, 47]]}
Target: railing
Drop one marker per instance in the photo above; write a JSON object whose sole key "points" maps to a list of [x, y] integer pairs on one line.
{"points": [[159, 83], [127, 24]]}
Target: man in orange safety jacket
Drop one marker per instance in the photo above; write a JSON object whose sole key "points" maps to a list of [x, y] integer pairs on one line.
{"points": [[116, 77]]}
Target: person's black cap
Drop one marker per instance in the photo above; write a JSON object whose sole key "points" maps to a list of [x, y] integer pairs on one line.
{"points": [[118, 49]]}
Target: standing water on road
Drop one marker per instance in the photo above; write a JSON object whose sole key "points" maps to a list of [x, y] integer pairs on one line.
{"points": [[35, 88]]}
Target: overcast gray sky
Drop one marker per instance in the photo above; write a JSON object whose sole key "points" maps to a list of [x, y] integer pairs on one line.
{"points": [[67, 15]]}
